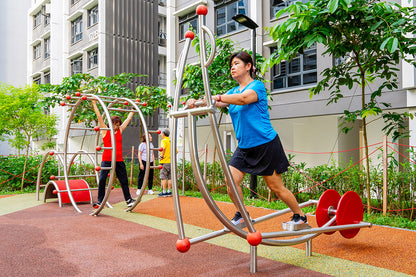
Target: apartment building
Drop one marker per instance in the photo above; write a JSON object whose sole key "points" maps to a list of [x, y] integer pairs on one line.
{"points": [[101, 38], [306, 126]]}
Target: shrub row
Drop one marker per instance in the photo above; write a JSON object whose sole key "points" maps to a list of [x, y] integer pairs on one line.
{"points": [[305, 183]]}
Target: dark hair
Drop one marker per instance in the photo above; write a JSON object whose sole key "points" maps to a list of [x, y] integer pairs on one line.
{"points": [[166, 132], [116, 119], [144, 138], [245, 57]]}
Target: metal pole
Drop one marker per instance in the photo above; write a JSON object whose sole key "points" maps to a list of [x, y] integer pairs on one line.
{"points": [[384, 175], [205, 163], [253, 47], [183, 158], [253, 259]]}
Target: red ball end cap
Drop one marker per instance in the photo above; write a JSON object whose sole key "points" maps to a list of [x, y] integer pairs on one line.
{"points": [[159, 132], [201, 10], [52, 177], [254, 238], [51, 153], [98, 148], [68, 97], [77, 93], [137, 100], [189, 34], [96, 128], [161, 149], [84, 97], [160, 166], [55, 191], [112, 187], [169, 106], [62, 103], [126, 103], [97, 168], [183, 245], [108, 175], [144, 104]]}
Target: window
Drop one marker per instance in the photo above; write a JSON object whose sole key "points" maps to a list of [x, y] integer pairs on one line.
{"points": [[93, 58], [47, 77], [300, 71], [224, 11], [93, 16], [47, 45], [277, 5], [187, 22], [73, 2], [36, 80], [77, 29], [37, 19], [47, 19], [76, 66], [37, 51]]}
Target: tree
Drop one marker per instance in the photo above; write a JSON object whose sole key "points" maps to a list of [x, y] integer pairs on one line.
{"points": [[375, 36], [23, 118], [114, 86]]}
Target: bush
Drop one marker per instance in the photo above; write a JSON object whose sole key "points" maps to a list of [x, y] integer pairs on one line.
{"points": [[305, 183]]}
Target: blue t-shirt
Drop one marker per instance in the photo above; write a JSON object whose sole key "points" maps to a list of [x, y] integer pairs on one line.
{"points": [[251, 122]]}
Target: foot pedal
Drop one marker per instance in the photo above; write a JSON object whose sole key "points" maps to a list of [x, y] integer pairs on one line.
{"points": [[295, 227]]}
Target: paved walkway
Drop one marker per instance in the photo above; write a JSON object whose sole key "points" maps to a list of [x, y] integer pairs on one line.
{"points": [[40, 239]]}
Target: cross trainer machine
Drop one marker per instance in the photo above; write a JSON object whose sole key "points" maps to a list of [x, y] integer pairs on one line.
{"points": [[69, 188], [334, 213]]}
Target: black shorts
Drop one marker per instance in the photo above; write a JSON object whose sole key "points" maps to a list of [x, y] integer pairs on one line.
{"points": [[261, 160]]}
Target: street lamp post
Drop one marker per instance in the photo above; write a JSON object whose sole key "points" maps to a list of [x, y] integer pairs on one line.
{"points": [[249, 23]]}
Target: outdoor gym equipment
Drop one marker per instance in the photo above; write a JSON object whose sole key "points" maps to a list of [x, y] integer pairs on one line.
{"points": [[346, 212], [70, 188]]}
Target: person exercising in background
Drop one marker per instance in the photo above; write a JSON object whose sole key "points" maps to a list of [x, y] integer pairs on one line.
{"points": [[165, 172], [259, 150], [121, 171]]}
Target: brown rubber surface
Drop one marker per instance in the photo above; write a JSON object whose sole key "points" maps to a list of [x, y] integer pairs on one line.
{"points": [[384, 247], [46, 240]]}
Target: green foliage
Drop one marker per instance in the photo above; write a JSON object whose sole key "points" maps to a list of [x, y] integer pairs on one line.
{"points": [[23, 117], [115, 86], [372, 37]]}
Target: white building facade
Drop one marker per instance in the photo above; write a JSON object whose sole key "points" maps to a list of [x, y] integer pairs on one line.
{"points": [[97, 37]]}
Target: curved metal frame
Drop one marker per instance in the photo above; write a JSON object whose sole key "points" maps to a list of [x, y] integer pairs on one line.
{"points": [[63, 157]]}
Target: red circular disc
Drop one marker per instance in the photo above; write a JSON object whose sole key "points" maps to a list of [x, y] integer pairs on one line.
{"points": [[350, 211], [329, 198]]}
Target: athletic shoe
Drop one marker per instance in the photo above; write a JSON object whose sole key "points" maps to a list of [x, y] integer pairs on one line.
{"points": [[130, 202], [169, 193], [162, 194], [297, 219], [238, 220], [150, 191], [138, 192], [96, 205]]}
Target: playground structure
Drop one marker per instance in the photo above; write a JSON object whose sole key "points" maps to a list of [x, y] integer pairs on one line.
{"points": [[69, 188], [346, 211]]}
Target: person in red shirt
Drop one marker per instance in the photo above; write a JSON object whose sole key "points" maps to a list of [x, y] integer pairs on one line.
{"points": [[121, 171]]}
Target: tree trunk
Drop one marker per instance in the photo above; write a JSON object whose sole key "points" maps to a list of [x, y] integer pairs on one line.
{"points": [[24, 167], [367, 161]]}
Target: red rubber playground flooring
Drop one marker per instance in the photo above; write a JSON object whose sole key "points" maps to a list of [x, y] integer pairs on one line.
{"points": [[46, 240]]}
